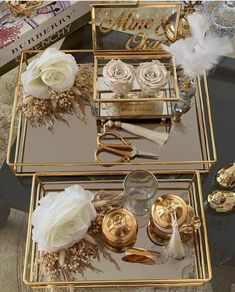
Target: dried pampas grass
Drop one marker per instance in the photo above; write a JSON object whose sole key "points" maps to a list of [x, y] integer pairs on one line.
{"points": [[202, 51]]}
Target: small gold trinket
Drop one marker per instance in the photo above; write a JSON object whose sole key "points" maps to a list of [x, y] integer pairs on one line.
{"points": [[119, 229], [222, 201], [226, 176]]}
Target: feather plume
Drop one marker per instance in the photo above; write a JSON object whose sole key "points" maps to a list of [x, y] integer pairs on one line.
{"points": [[202, 51]]}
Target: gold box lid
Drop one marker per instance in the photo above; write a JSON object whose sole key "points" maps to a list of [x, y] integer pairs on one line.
{"points": [[164, 206], [119, 228]]}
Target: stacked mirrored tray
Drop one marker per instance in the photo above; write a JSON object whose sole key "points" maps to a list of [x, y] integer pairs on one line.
{"points": [[71, 147], [194, 269]]}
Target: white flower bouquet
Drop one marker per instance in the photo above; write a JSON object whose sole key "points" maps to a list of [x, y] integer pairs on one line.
{"points": [[53, 86], [63, 218], [53, 70], [67, 229]]}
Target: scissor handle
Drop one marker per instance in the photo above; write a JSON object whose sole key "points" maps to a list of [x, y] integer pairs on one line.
{"points": [[123, 145], [124, 154]]}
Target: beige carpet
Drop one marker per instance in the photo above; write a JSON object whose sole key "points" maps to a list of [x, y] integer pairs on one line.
{"points": [[12, 239]]}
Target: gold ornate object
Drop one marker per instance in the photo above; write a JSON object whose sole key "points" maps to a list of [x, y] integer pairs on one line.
{"points": [[160, 227], [164, 206], [183, 26], [226, 176], [119, 229], [222, 201], [23, 7], [140, 255]]}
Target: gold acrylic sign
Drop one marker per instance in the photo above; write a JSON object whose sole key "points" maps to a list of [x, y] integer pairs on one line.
{"points": [[144, 25]]}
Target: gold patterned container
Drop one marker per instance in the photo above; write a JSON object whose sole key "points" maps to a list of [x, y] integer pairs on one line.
{"points": [[160, 227], [119, 229]]}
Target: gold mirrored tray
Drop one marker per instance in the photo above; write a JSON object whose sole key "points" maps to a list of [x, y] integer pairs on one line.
{"points": [[190, 144], [194, 269]]}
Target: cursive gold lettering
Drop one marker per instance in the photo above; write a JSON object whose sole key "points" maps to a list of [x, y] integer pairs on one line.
{"points": [[125, 21], [141, 42]]}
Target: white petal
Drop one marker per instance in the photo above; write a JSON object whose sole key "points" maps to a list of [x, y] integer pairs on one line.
{"points": [[34, 87]]}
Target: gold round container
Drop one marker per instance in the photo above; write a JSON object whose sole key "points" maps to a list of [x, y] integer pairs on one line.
{"points": [[119, 228], [160, 227], [164, 206]]}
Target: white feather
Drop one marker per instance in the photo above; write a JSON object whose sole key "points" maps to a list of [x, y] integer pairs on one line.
{"points": [[199, 25], [202, 51]]}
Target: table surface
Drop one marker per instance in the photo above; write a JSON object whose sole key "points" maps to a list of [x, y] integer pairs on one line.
{"points": [[221, 82]]}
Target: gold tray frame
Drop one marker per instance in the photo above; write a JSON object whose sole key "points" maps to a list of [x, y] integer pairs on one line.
{"points": [[202, 102], [194, 191]]}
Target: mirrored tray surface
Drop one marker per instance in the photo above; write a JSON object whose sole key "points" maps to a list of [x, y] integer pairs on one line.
{"points": [[194, 269]]}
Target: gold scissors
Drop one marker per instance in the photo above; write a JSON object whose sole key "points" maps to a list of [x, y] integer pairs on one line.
{"points": [[124, 149]]}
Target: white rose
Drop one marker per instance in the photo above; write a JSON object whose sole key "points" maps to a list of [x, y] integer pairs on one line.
{"points": [[119, 76], [52, 70], [62, 219], [152, 76]]}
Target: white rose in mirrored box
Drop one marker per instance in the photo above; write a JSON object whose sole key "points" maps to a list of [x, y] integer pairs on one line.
{"points": [[62, 219], [152, 76], [53, 70], [119, 76]]}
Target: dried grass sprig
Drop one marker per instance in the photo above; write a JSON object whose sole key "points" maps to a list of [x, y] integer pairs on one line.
{"points": [[83, 83], [38, 111]]}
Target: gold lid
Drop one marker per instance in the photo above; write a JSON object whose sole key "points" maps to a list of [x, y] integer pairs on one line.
{"points": [[164, 206], [119, 228]]}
